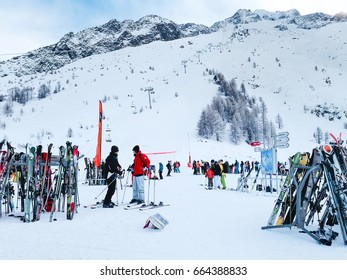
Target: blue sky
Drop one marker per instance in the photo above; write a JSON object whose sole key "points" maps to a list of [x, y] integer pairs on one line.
{"points": [[30, 24]]}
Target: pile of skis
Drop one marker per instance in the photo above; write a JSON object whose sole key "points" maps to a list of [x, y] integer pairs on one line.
{"points": [[39, 189], [314, 194]]}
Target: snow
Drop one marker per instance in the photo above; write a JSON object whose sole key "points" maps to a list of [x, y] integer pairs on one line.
{"points": [[202, 224], [216, 224]]}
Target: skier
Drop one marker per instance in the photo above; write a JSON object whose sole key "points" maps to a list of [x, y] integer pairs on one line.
{"points": [[209, 174], [241, 166], [194, 168], [111, 166], [226, 167], [237, 167], [206, 166], [140, 166], [256, 165], [161, 169], [178, 165], [169, 168], [198, 166], [217, 172], [222, 175]]}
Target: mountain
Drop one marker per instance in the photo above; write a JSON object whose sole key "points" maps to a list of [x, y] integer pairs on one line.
{"points": [[316, 20], [115, 35], [112, 36], [298, 72]]}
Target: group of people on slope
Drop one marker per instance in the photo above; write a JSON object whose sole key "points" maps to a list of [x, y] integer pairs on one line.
{"points": [[244, 166], [140, 167], [215, 175], [112, 168], [200, 167]]}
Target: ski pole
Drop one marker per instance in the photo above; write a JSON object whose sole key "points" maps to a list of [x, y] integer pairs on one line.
{"points": [[154, 190], [124, 193], [120, 182], [149, 186], [115, 178], [116, 195], [100, 193], [126, 185]]}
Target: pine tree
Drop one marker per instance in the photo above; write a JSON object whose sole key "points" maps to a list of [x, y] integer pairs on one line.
{"points": [[279, 121], [44, 91], [264, 122], [69, 132], [203, 125], [318, 135], [243, 89], [235, 129], [326, 137], [246, 115], [8, 108], [218, 105], [211, 123]]}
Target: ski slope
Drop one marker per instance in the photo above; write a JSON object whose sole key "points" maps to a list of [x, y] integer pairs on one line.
{"points": [[202, 224]]}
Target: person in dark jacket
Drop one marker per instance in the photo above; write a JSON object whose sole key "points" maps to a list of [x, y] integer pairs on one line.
{"points": [[161, 169], [169, 168], [217, 173], [113, 167]]}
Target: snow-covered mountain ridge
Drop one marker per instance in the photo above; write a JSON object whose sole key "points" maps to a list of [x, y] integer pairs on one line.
{"points": [[115, 35]]}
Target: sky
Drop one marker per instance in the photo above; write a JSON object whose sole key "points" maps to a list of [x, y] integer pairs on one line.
{"points": [[29, 24]]}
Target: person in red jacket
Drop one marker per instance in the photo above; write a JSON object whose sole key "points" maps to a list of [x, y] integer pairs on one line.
{"points": [[140, 166], [209, 174]]}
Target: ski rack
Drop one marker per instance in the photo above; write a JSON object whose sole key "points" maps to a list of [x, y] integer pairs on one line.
{"points": [[334, 192], [331, 187], [297, 223], [299, 187]]}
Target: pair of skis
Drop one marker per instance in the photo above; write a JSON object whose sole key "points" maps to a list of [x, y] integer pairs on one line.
{"points": [[4, 177], [284, 189], [144, 207], [132, 206], [37, 182], [43, 186], [67, 178]]}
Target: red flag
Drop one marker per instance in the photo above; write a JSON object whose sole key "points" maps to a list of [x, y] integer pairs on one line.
{"points": [[189, 161], [97, 159]]}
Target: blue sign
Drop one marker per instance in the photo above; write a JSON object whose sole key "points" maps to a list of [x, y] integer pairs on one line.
{"points": [[267, 161]]}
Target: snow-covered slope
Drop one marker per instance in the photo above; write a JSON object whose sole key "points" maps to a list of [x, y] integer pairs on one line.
{"points": [[203, 225], [291, 70]]}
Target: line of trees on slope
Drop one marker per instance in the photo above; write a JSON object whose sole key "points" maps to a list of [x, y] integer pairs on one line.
{"points": [[22, 95], [232, 107]]}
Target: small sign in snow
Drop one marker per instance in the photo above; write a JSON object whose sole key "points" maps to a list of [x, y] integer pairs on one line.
{"points": [[283, 145], [282, 134], [282, 139]]}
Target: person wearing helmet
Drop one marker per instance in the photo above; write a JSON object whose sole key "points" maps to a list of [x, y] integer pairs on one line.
{"points": [[111, 166]]}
